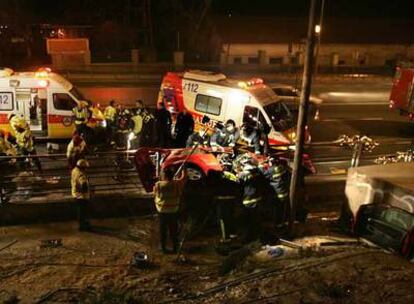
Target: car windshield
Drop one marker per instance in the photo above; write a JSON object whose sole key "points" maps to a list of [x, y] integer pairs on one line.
{"points": [[75, 92], [280, 116]]}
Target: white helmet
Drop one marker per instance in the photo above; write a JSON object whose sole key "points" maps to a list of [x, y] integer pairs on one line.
{"points": [[82, 163]]}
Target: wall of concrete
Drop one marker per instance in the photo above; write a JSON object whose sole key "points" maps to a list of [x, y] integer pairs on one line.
{"points": [[329, 54]]}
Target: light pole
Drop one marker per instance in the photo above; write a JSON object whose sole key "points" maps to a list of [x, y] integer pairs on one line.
{"points": [[297, 171], [318, 32]]}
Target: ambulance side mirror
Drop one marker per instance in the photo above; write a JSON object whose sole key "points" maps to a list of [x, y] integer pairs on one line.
{"points": [[205, 119]]}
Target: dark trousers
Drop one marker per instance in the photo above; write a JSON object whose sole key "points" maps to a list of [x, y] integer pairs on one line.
{"points": [[35, 160], [81, 128], [168, 224], [225, 216], [110, 130], [252, 224], [82, 206]]}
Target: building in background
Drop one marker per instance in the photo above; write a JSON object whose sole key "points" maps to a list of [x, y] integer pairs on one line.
{"points": [[344, 42]]}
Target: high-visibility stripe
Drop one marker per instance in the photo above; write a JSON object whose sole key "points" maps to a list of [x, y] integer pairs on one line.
{"points": [[223, 197], [251, 202]]}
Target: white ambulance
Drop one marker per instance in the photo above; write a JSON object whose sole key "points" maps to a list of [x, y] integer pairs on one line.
{"points": [[43, 98], [220, 98]]}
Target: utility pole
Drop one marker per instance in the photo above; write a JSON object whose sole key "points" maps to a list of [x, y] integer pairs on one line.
{"points": [[297, 171]]}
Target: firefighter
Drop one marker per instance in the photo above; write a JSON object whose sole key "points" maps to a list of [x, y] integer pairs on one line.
{"points": [[123, 127], [184, 127], [76, 150], [232, 133], [218, 138], [163, 124], [226, 195], [253, 184], [167, 193], [137, 121], [81, 115], [110, 115], [250, 135], [279, 177], [81, 193], [17, 121], [225, 136], [199, 138]]}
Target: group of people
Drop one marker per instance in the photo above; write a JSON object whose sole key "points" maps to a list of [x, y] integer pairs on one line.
{"points": [[242, 200]]}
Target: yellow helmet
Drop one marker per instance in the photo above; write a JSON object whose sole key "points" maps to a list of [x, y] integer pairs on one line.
{"points": [[82, 163]]}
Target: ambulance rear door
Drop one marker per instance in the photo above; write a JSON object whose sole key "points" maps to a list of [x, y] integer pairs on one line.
{"points": [[31, 104], [60, 120]]}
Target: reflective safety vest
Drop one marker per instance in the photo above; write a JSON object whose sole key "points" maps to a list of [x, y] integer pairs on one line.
{"points": [[18, 122], [138, 121], [81, 115], [80, 184], [167, 196], [278, 181], [110, 113], [73, 150], [230, 176], [24, 140]]}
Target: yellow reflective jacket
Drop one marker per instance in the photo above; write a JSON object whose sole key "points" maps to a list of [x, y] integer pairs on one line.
{"points": [[18, 122], [24, 140], [80, 184], [81, 115], [73, 150], [138, 121], [167, 196], [110, 113]]}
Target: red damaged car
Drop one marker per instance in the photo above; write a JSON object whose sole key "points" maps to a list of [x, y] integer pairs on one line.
{"points": [[150, 162]]}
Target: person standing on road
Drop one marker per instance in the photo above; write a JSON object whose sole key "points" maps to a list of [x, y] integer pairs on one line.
{"points": [[184, 127], [226, 195], [81, 115], [110, 115], [81, 193], [279, 177], [163, 121], [168, 192], [137, 121], [76, 150], [253, 183]]}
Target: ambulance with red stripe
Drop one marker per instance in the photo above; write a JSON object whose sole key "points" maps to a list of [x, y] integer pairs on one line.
{"points": [[43, 98], [220, 98]]}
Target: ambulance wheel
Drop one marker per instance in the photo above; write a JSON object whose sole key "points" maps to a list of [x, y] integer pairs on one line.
{"points": [[194, 173]]}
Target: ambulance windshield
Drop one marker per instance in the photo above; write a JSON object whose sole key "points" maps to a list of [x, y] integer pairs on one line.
{"points": [[75, 92], [280, 116]]}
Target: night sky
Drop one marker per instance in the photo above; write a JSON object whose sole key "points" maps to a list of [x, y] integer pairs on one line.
{"points": [[52, 9]]}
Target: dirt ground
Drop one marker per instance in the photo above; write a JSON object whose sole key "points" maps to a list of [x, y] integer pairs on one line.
{"points": [[94, 267]]}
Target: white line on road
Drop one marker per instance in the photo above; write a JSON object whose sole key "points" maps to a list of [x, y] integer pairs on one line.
{"points": [[354, 119], [367, 103]]}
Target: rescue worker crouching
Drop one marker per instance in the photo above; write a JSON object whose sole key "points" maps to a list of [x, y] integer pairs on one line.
{"points": [[168, 192], [81, 193], [81, 116], [76, 150], [24, 138]]}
